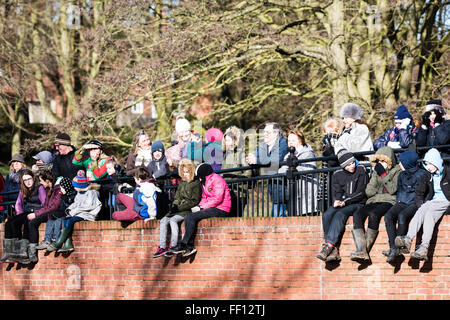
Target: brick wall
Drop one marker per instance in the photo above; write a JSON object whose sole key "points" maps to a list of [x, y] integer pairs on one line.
{"points": [[251, 258]]}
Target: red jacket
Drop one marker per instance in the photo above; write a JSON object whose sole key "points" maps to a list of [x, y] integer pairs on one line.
{"points": [[216, 193], [51, 203]]}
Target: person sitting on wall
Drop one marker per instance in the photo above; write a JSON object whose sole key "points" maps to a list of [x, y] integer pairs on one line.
{"points": [[348, 194], [215, 202]]}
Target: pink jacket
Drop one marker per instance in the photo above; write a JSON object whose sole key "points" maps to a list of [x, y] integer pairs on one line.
{"points": [[216, 193]]}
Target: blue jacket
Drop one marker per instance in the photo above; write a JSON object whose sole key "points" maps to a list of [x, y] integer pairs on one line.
{"points": [[403, 136], [408, 180], [263, 156]]}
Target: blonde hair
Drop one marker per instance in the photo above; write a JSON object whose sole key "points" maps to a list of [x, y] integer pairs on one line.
{"points": [[333, 124], [24, 166], [137, 135], [186, 163]]}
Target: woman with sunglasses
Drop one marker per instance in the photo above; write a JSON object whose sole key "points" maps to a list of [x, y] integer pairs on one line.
{"points": [[32, 197]]}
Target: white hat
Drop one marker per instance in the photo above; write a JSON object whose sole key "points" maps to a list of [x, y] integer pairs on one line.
{"points": [[182, 125]]}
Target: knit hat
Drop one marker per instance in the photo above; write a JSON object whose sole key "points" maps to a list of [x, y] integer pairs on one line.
{"points": [[94, 144], [408, 159], [213, 134], [80, 181], [345, 158], [434, 105], [63, 138], [182, 125], [203, 170], [17, 157], [66, 184], [351, 110], [157, 146], [402, 113], [45, 156]]}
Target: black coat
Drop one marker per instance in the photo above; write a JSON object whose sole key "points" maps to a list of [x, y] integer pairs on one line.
{"points": [[350, 187], [439, 135], [63, 166], [425, 189], [408, 181]]}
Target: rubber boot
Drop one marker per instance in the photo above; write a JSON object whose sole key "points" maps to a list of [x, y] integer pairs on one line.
{"points": [[32, 252], [361, 247], [371, 236], [21, 251], [8, 250], [58, 243], [68, 246]]}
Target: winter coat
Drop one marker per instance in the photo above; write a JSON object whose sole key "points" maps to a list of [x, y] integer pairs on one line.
{"points": [[33, 202], [439, 135], [273, 157], [12, 185], [215, 193], [425, 190], [2, 186], [354, 139], [51, 203], [94, 169], [350, 187], [134, 161], [86, 204], [158, 168], [408, 180], [403, 136], [213, 155], [329, 140], [66, 201], [188, 195], [145, 197], [63, 165], [384, 189]]}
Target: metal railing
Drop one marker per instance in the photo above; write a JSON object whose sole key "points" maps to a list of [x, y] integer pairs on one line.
{"points": [[258, 196]]}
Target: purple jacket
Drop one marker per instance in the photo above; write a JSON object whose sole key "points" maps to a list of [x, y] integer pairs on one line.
{"points": [[216, 193], [51, 203]]}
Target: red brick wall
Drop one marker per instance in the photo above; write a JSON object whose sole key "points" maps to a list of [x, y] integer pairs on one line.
{"points": [[251, 258]]}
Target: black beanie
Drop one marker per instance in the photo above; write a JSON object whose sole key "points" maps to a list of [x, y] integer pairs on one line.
{"points": [[203, 170]]}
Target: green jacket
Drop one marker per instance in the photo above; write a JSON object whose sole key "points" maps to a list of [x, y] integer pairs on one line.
{"points": [[188, 195], [384, 189]]}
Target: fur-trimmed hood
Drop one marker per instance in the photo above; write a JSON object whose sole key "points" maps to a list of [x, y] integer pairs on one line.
{"points": [[386, 154], [186, 163], [236, 135]]}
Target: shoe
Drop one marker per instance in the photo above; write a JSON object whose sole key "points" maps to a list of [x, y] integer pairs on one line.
{"points": [[393, 253], [325, 252], [334, 255], [403, 242], [159, 252], [169, 254], [179, 248], [421, 253], [386, 252], [189, 252], [44, 244]]}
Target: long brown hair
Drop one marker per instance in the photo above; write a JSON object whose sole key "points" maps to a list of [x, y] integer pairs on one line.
{"points": [[48, 175], [136, 137], [25, 191]]}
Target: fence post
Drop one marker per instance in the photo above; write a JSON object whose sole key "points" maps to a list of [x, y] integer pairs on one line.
{"points": [[291, 181]]}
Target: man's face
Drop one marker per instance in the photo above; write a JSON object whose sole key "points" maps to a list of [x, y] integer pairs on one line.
{"points": [[63, 149], [270, 134]]}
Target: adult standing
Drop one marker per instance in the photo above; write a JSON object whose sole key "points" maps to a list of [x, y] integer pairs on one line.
{"points": [[141, 153], [62, 163], [94, 162], [12, 183]]}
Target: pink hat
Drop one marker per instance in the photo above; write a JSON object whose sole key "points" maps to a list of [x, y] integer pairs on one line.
{"points": [[213, 134]]}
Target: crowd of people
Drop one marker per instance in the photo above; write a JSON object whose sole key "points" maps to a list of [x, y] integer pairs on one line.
{"points": [[68, 185]]}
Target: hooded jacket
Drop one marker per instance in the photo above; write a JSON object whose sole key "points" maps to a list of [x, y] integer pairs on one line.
{"points": [[425, 189], [216, 193], [384, 189], [86, 204], [145, 198], [408, 180]]}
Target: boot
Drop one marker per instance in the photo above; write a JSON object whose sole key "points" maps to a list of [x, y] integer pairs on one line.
{"points": [[68, 246], [403, 243], [58, 243], [393, 253], [361, 246], [325, 252], [21, 251], [371, 236], [8, 250], [334, 255], [421, 253], [32, 252]]}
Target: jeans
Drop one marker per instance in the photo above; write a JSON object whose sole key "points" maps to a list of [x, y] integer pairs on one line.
{"points": [[334, 220], [53, 229], [174, 223], [401, 213], [375, 211], [191, 220], [279, 210], [69, 222]]}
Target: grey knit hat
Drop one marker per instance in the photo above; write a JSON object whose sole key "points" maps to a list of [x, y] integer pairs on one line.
{"points": [[351, 110], [345, 158]]}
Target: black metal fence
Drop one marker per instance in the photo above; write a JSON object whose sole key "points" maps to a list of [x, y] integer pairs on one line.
{"points": [[258, 196]]}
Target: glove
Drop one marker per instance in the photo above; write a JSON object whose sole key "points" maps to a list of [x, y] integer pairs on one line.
{"points": [[438, 119], [394, 144], [405, 123], [174, 208], [426, 119], [380, 169], [79, 153], [196, 209]]}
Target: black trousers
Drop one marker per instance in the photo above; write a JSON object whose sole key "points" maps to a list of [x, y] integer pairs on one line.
{"points": [[191, 220], [33, 227], [402, 214], [13, 227], [374, 211]]}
